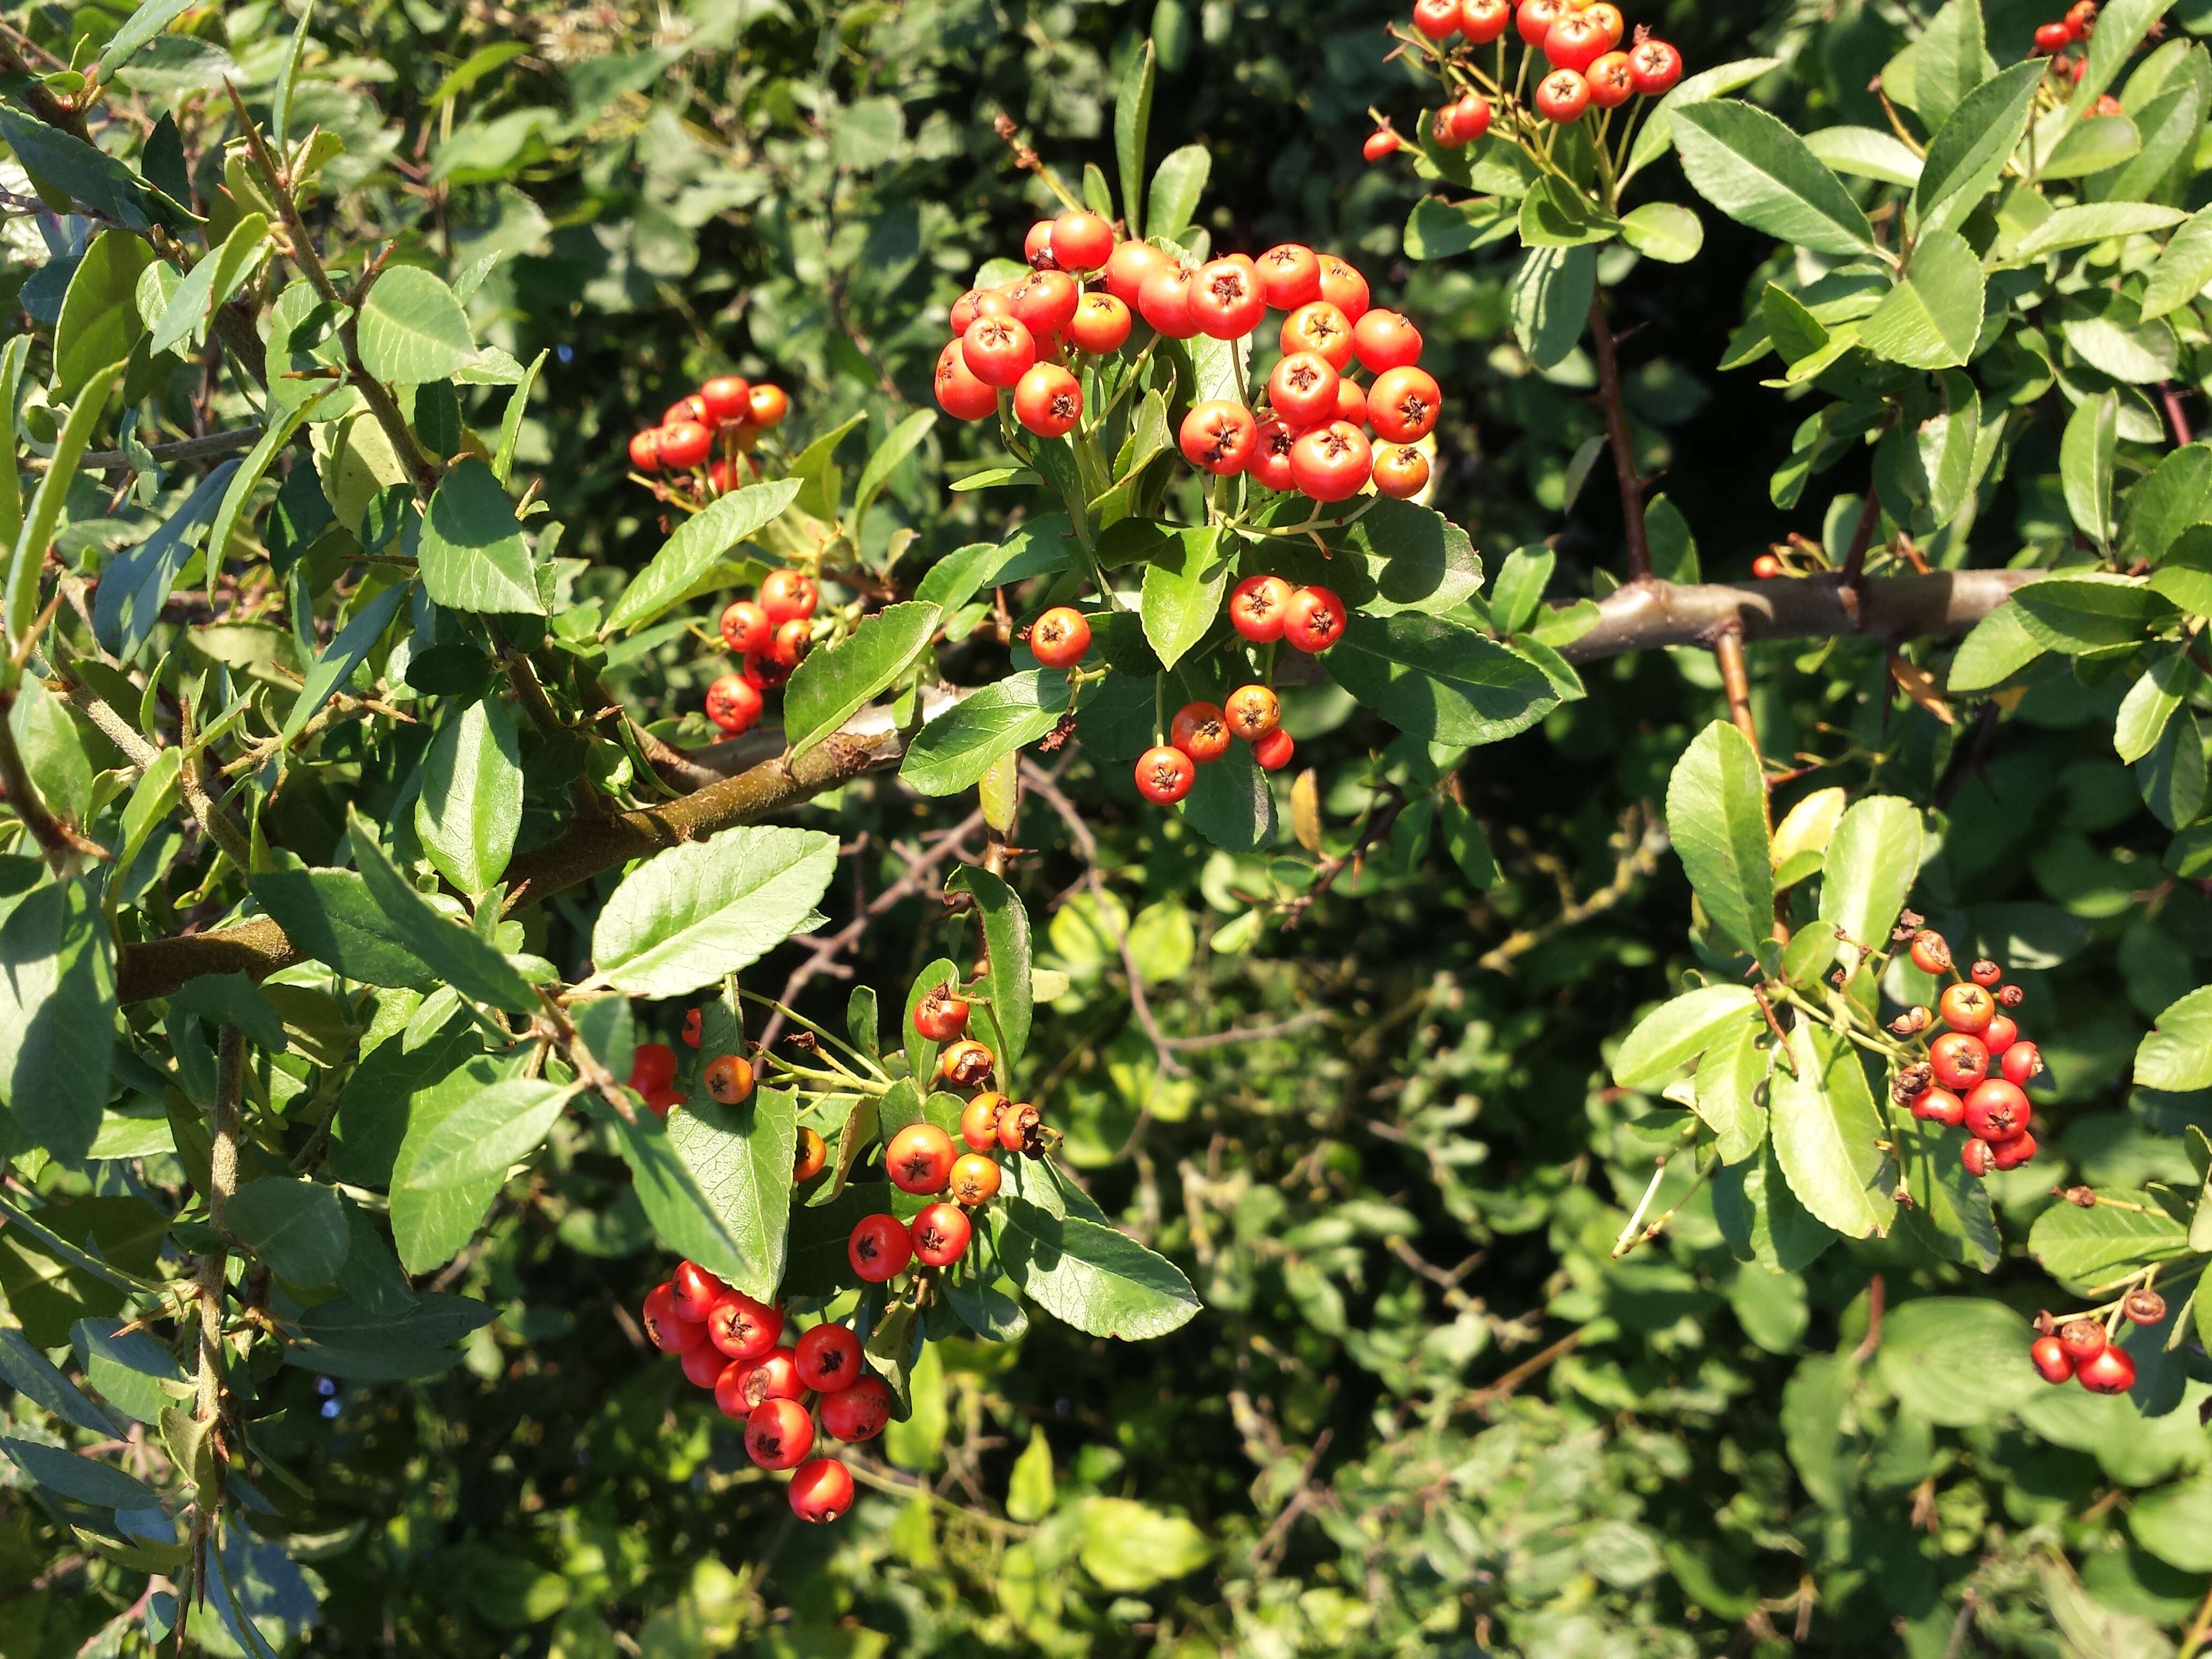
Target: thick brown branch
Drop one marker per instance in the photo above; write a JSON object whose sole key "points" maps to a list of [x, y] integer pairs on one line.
{"points": [[1617, 440], [1652, 615]]}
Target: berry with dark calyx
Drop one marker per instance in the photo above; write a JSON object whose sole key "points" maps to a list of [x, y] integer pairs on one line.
{"points": [[1227, 299], [1575, 42], [1046, 301], [1966, 1007], [1164, 301], [1562, 96], [1912, 1081], [1533, 19], [1939, 1106], [2143, 1307], [691, 407], [974, 1178], [1290, 272], [1343, 286], [1302, 389], [742, 1327], [1997, 1112], [664, 1327], [1314, 619], [2010, 996], [1482, 21], [645, 450], [1437, 19], [727, 398], [1059, 638], [1931, 951], [1765, 567], [1979, 1156], [779, 1434], [809, 1153], [998, 350], [733, 703], [1081, 241], [684, 445], [959, 393], [1164, 774], [941, 1232], [1037, 247], [763, 672], [880, 1248], [703, 1365], [788, 595], [1199, 730], [2051, 1360], [965, 1064], [919, 1158], [1330, 462], [1379, 143], [1101, 325], [1274, 751], [1612, 82], [821, 1491], [1048, 401], [2081, 18], [2021, 1064], [828, 1359], [1384, 340], [1957, 1059], [693, 1292], [1985, 973], [1258, 606], [792, 639], [2109, 1372], [746, 627], [1999, 1035], [767, 405], [1252, 711], [860, 1413], [691, 1024], [941, 1015], [978, 1120], [1218, 436], [652, 1066], [1912, 1022], [729, 1078], [1401, 472], [1402, 405], [1655, 66], [1321, 328], [1019, 1127], [2082, 1339], [744, 1385], [2011, 1154]]}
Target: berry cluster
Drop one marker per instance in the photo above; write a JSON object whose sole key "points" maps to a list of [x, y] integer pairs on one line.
{"points": [[728, 1080], [2056, 41], [2082, 1349], [771, 631], [1306, 427], [1585, 67], [710, 434], [734, 1345], [1976, 1069]]}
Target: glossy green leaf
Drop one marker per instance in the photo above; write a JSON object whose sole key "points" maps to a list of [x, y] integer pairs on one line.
{"points": [[688, 915], [1439, 680], [700, 542], [1825, 1128], [463, 1138], [1183, 591], [298, 1228], [1007, 978], [100, 322], [1969, 151], [334, 668], [2182, 270], [1132, 118], [1756, 170], [1089, 1276], [2086, 1248], [2177, 1055], [1956, 1360], [211, 281], [1931, 318], [329, 915], [953, 751], [1717, 815], [57, 1005], [473, 553], [453, 951], [1872, 859], [412, 329], [82, 1478], [1681, 1029], [470, 806], [828, 686], [1657, 135], [1550, 299], [1665, 231], [1726, 1091], [1177, 183], [2085, 466], [2087, 611]]}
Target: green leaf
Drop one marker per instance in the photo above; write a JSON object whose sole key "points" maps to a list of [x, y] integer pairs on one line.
{"points": [[1681, 1029], [1550, 300], [2126, 1228], [100, 322], [1088, 1275], [1555, 213], [1007, 978], [32, 1375], [273, 439], [470, 806], [1398, 556], [2177, 1055], [1132, 118], [1717, 815], [453, 952], [1469, 846], [150, 20], [2095, 221], [211, 281], [1726, 1092], [1129, 1548], [2183, 576], [2171, 777], [1949, 60], [1970, 150], [1517, 592], [58, 1008], [1815, 1416], [2149, 704], [953, 751], [2174, 1523], [1439, 680], [899, 443], [2087, 611], [1995, 649], [297, 1228], [1933, 316], [1658, 134], [2085, 466], [1664, 231], [80, 1479], [688, 915], [1865, 153], [1756, 170], [347, 651], [2176, 497], [473, 554], [1184, 590], [411, 329], [1956, 1360], [828, 686], [716, 1182], [1437, 230], [700, 542], [462, 1137], [1824, 1128], [134, 585], [2182, 270], [1951, 1210], [1872, 859], [2109, 336], [1030, 1491], [133, 1372], [63, 161], [1177, 184], [330, 915]]}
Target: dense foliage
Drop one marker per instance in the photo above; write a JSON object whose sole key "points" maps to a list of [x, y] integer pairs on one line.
{"points": [[1483, 1199]]}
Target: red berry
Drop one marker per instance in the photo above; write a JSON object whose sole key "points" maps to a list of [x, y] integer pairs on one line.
{"points": [[1037, 247], [1985, 973], [1482, 21], [821, 1491], [1164, 774], [1436, 19], [1319, 327], [1533, 19], [1218, 436], [1384, 340], [1959, 1059], [1081, 241], [1048, 400], [661, 1102], [1469, 119], [1612, 82], [1343, 286], [1403, 403], [2053, 37], [1979, 1156], [2020, 1149], [1274, 751], [959, 394], [1164, 300], [2049, 1356], [1562, 96], [792, 639], [664, 1327], [1018, 1128], [1271, 457], [764, 673], [1996, 1112], [684, 445], [940, 1234], [691, 409], [828, 1359], [2081, 1339], [978, 1120], [1380, 143], [652, 1066], [879, 1249], [742, 1327], [1575, 42], [1045, 300], [693, 1292], [779, 1434], [728, 397], [998, 350], [1252, 711], [733, 704], [1315, 620], [1401, 471], [974, 1178], [729, 1079], [2111, 1371], [1765, 567], [1227, 299], [860, 1412], [809, 1153], [1101, 324], [1259, 606], [746, 627], [703, 1365], [1128, 267], [1966, 1007], [1657, 66], [788, 595], [1302, 389], [1999, 1035], [2021, 1063], [1290, 274], [964, 1064], [691, 1023], [1939, 1106], [1199, 730], [1330, 464], [1931, 951], [1607, 17], [920, 1158], [767, 406], [745, 1385], [942, 1014], [1059, 637], [645, 451]]}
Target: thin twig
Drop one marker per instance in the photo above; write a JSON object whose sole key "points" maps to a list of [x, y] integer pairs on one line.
{"points": [[1617, 440]]}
